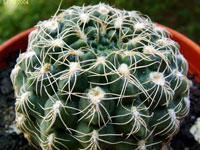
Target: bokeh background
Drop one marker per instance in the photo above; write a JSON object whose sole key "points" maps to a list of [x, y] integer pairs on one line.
{"points": [[181, 15]]}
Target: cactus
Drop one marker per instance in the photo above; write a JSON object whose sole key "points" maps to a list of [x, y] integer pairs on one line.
{"points": [[99, 78]]}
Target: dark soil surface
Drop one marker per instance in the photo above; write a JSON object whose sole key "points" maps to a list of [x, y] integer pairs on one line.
{"points": [[184, 140], [11, 141]]}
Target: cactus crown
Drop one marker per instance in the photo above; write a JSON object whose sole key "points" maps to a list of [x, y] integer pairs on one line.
{"points": [[96, 77]]}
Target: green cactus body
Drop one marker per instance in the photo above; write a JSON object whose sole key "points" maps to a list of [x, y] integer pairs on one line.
{"points": [[99, 78]]}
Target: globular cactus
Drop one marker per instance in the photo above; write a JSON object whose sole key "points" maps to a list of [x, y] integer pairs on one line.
{"points": [[99, 78]]}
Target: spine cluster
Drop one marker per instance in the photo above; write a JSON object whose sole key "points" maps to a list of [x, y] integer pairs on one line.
{"points": [[99, 78]]}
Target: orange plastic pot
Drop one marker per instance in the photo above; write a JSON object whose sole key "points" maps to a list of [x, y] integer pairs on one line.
{"points": [[188, 48]]}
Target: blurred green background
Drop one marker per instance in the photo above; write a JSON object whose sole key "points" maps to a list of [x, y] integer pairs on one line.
{"points": [[181, 15]]}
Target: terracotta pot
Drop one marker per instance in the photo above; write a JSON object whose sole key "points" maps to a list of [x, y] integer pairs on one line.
{"points": [[18, 42], [188, 48]]}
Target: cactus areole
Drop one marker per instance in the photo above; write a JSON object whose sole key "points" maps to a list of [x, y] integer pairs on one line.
{"points": [[100, 78]]}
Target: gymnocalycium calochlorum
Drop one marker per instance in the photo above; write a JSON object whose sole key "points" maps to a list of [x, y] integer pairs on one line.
{"points": [[100, 78]]}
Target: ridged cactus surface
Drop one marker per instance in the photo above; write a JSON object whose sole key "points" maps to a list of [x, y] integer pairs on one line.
{"points": [[100, 78]]}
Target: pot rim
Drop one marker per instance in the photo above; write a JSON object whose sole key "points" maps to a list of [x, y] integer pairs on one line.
{"points": [[18, 41], [192, 55], [189, 49]]}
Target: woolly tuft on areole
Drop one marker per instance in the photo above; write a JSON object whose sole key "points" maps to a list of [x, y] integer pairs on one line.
{"points": [[99, 78]]}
